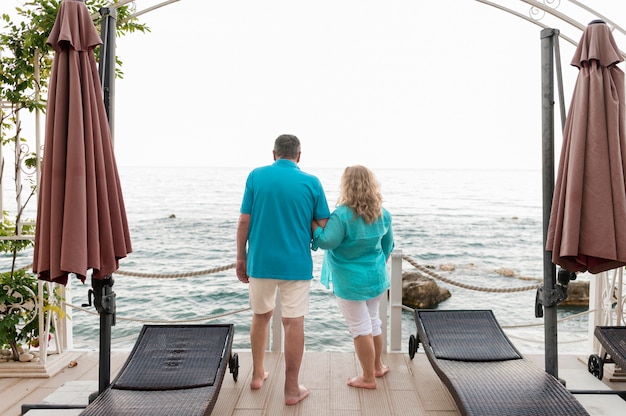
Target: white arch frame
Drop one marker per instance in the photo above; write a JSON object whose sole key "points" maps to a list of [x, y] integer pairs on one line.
{"points": [[545, 14]]}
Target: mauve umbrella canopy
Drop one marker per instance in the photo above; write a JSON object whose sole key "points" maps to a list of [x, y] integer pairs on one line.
{"points": [[81, 219], [587, 229]]}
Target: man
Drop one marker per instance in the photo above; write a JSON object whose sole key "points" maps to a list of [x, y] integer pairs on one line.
{"points": [[279, 203]]}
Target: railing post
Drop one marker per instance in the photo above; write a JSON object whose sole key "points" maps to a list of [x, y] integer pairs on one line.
{"points": [[619, 308], [396, 301], [43, 328], [66, 328], [383, 312], [596, 306]]}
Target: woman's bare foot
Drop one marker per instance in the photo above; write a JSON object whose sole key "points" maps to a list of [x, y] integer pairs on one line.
{"points": [[383, 370], [303, 394], [361, 383], [257, 383]]}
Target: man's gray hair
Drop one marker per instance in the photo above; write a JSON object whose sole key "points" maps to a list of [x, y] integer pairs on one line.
{"points": [[287, 146]]}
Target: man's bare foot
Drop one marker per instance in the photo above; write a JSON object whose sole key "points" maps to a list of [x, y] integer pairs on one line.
{"points": [[361, 383], [303, 394], [257, 383], [383, 370]]}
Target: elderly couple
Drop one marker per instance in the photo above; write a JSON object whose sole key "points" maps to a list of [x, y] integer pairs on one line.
{"points": [[284, 214]]}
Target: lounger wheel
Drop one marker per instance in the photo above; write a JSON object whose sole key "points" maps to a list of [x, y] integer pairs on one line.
{"points": [[413, 346], [596, 366], [233, 364]]}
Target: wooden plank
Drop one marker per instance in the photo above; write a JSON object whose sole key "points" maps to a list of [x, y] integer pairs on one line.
{"points": [[342, 367], [411, 387], [231, 390], [432, 393], [226, 400], [318, 402], [400, 382], [276, 404], [314, 370], [256, 399], [374, 402], [400, 375], [27, 390]]}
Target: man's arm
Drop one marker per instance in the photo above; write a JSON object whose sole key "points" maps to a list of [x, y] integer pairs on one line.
{"points": [[242, 240], [322, 222]]}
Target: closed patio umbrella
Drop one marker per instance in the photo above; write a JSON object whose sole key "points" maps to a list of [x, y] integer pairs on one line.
{"points": [[587, 227], [81, 219]]}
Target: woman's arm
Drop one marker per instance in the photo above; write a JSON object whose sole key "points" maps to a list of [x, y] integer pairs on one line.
{"points": [[329, 235], [387, 242]]}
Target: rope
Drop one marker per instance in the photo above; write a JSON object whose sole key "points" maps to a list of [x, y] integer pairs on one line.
{"points": [[537, 341], [465, 286], [578, 315], [177, 275], [166, 275], [159, 321]]}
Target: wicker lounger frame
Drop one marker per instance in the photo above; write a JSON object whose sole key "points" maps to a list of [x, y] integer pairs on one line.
{"points": [[613, 340], [484, 372], [172, 370]]}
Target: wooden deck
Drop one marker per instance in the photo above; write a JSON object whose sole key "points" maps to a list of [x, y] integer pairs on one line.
{"points": [[411, 387]]}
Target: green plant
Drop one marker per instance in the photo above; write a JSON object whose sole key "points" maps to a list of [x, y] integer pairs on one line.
{"points": [[18, 312], [19, 317]]}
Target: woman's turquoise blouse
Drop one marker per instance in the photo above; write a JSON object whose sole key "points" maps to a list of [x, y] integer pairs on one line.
{"points": [[356, 258]]}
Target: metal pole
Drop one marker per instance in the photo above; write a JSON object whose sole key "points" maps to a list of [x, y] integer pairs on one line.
{"points": [[104, 299], [547, 131], [106, 66], [103, 289], [396, 301]]}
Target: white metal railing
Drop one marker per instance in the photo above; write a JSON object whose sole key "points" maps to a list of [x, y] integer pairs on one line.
{"points": [[607, 302]]}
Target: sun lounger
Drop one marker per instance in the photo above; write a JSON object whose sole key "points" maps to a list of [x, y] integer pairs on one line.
{"points": [[613, 341], [483, 371], [172, 370]]}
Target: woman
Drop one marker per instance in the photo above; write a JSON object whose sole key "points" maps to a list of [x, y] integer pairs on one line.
{"points": [[358, 239]]}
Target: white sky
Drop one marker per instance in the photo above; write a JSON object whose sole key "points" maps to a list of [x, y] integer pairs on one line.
{"points": [[393, 83]]}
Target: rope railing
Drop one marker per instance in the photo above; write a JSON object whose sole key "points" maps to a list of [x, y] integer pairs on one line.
{"points": [[539, 341], [177, 275], [567, 318], [411, 261], [466, 286], [162, 321], [406, 258], [163, 275]]}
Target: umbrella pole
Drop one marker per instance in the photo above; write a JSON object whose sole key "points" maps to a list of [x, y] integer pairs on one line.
{"points": [[104, 297], [104, 301], [545, 295]]}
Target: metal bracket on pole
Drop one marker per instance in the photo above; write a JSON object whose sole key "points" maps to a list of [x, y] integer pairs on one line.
{"points": [[104, 297], [553, 296], [104, 301]]}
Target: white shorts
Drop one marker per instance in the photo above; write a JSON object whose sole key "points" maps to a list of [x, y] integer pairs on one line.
{"points": [[362, 316], [294, 296]]}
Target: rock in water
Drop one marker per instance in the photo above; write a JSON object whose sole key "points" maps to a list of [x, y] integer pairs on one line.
{"points": [[419, 291]]}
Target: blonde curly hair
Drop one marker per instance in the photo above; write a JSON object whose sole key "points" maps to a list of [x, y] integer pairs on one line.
{"points": [[361, 191]]}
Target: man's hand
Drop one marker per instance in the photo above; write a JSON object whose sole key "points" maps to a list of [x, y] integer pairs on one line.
{"points": [[242, 273]]}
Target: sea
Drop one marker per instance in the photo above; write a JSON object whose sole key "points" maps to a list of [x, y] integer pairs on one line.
{"points": [[464, 225]]}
